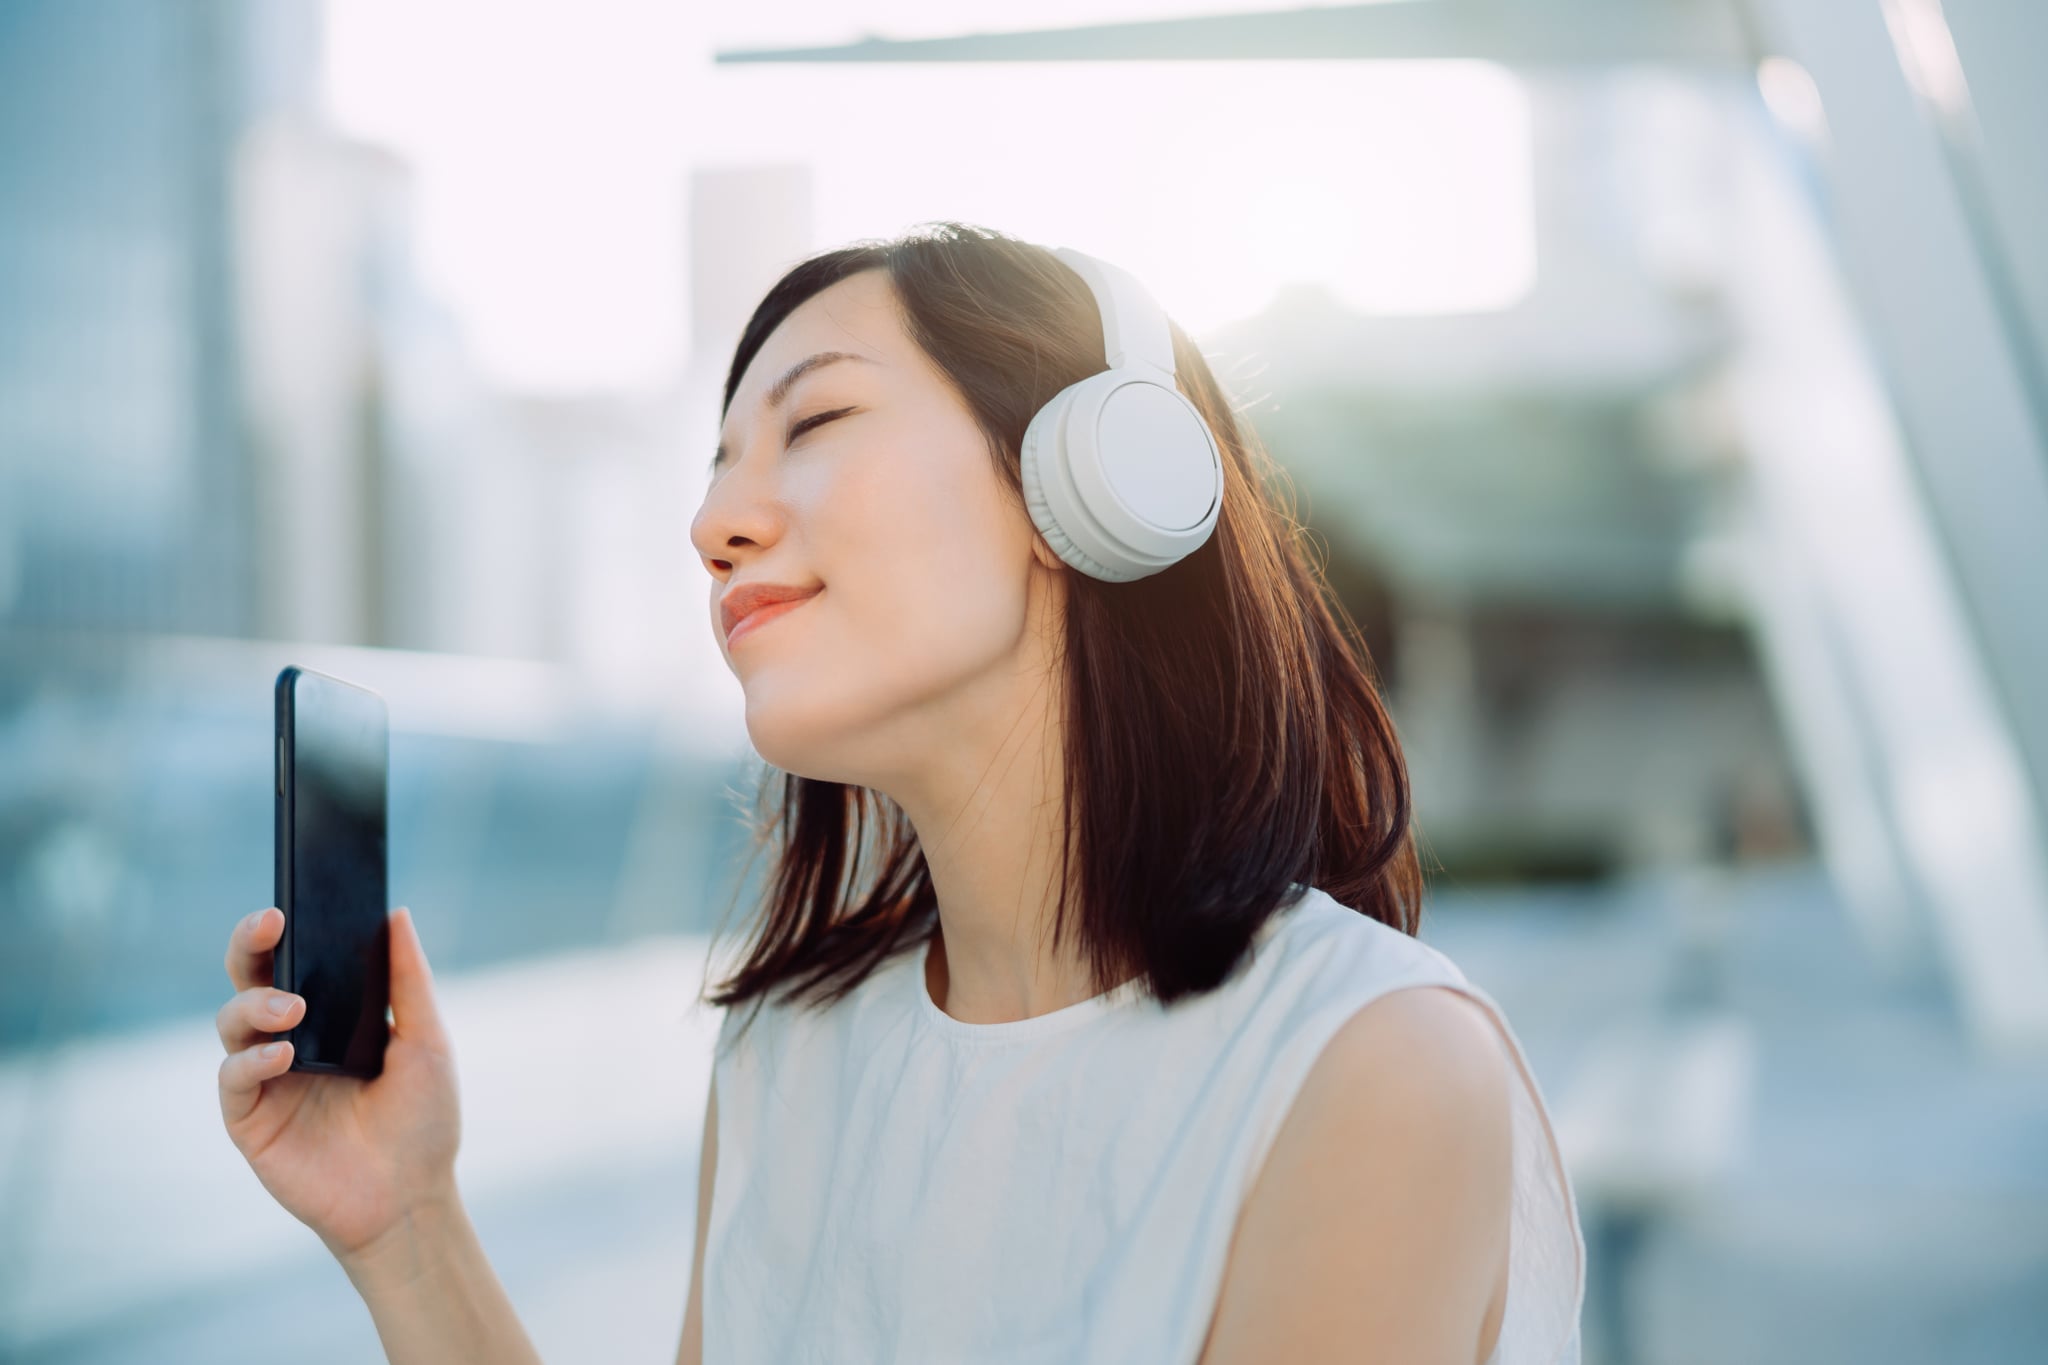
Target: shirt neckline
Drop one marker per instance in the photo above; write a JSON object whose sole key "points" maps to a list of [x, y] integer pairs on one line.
{"points": [[1014, 1030], [1038, 1025]]}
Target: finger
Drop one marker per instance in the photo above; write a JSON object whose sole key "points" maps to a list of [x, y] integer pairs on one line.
{"points": [[414, 1013], [251, 946], [250, 1015], [243, 1073]]}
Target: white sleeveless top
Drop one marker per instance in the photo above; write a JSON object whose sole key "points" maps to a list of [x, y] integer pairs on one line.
{"points": [[896, 1184]]}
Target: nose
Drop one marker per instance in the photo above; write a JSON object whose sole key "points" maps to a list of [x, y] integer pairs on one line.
{"points": [[739, 516]]}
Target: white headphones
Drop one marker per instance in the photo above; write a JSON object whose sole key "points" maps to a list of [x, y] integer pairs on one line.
{"points": [[1121, 474]]}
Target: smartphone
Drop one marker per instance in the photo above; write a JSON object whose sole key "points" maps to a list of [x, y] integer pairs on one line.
{"points": [[333, 770]]}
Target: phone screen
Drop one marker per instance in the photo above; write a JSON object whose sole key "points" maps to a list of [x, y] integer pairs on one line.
{"points": [[333, 769]]}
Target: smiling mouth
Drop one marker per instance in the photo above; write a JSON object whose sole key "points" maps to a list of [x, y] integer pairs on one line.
{"points": [[759, 617]]}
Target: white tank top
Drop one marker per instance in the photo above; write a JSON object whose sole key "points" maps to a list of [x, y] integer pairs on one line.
{"points": [[895, 1184]]}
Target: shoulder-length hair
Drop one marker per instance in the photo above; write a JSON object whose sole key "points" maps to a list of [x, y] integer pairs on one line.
{"points": [[1224, 739]]}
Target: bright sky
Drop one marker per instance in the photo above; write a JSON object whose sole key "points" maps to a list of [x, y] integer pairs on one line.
{"points": [[553, 145]]}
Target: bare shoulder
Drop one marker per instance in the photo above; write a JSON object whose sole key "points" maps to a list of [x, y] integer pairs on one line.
{"points": [[1438, 1041], [1378, 1226]]}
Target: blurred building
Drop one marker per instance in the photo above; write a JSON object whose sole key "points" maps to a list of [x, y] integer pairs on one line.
{"points": [[1530, 485], [125, 490]]}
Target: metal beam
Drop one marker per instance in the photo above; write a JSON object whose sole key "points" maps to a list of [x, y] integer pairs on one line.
{"points": [[1970, 756], [1522, 32]]}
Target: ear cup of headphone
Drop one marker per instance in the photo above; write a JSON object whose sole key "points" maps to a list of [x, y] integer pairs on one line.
{"points": [[1039, 435], [1121, 475]]}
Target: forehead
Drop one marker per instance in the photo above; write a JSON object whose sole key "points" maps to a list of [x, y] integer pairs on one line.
{"points": [[858, 314]]}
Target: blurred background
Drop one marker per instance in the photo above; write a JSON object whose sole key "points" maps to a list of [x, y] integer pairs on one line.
{"points": [[1666, 379]]}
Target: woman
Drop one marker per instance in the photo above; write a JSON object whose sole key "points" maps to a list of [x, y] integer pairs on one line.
{"points": [[1085, 1019]]}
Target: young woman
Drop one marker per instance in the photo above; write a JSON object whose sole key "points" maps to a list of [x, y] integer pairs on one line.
{"points": [[1085, 1019]]}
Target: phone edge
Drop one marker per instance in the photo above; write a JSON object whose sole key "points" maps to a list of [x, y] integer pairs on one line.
{"points": [[281, 974]]}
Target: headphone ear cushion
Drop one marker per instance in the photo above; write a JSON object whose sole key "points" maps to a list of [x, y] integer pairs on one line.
{"points": [[1042, 443]]}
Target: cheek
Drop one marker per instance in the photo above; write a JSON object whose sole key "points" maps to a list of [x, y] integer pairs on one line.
{"points": [[931, 523], [938, 575], [839, 700], [925, 571]]}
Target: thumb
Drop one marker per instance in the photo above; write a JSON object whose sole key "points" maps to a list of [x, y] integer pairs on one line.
{"points": [[415, 1016]]}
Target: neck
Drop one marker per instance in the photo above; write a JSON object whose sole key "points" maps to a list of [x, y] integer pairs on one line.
{"points": [[989, 831]]}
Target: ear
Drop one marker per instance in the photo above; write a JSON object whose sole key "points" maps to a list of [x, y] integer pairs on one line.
{"points": [[1043, 553]]}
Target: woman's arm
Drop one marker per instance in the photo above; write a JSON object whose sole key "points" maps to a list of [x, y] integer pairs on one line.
{"points": [[433, 1295], [368, 1165], [691, 1352], [1378, 1227]]}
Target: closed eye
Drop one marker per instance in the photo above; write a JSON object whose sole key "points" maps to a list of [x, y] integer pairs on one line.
{"points": [[718, 460], [819, 420]]}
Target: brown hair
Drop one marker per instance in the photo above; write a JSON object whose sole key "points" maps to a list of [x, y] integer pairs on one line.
{"points": [[1224, 736]]}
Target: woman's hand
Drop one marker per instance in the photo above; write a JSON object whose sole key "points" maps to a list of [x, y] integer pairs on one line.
{"points": [[354, 1160]]}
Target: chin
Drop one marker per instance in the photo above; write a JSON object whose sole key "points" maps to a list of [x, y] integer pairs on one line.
{"points": [[807, 736]]}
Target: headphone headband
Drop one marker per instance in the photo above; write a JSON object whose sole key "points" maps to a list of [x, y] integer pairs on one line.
{"points": [[1134, 330]]}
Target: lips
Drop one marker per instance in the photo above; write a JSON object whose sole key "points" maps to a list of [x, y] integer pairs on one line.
{"points": [[748, 606], [758, 617]]}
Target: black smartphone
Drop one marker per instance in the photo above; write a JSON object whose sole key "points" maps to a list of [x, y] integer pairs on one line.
{"points": [[333, 771]]}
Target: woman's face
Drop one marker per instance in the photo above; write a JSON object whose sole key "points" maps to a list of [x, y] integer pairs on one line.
{"points": [[937, 600]]}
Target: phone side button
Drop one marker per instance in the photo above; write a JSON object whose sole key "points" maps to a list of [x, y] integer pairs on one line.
{"points": [[280, 765]]}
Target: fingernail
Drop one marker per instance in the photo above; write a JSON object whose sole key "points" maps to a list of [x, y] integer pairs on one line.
{"points": [[272, 1049], [280, 1004]]}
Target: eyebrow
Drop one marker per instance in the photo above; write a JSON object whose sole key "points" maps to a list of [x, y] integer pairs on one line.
{"points": [[778, 393]]}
